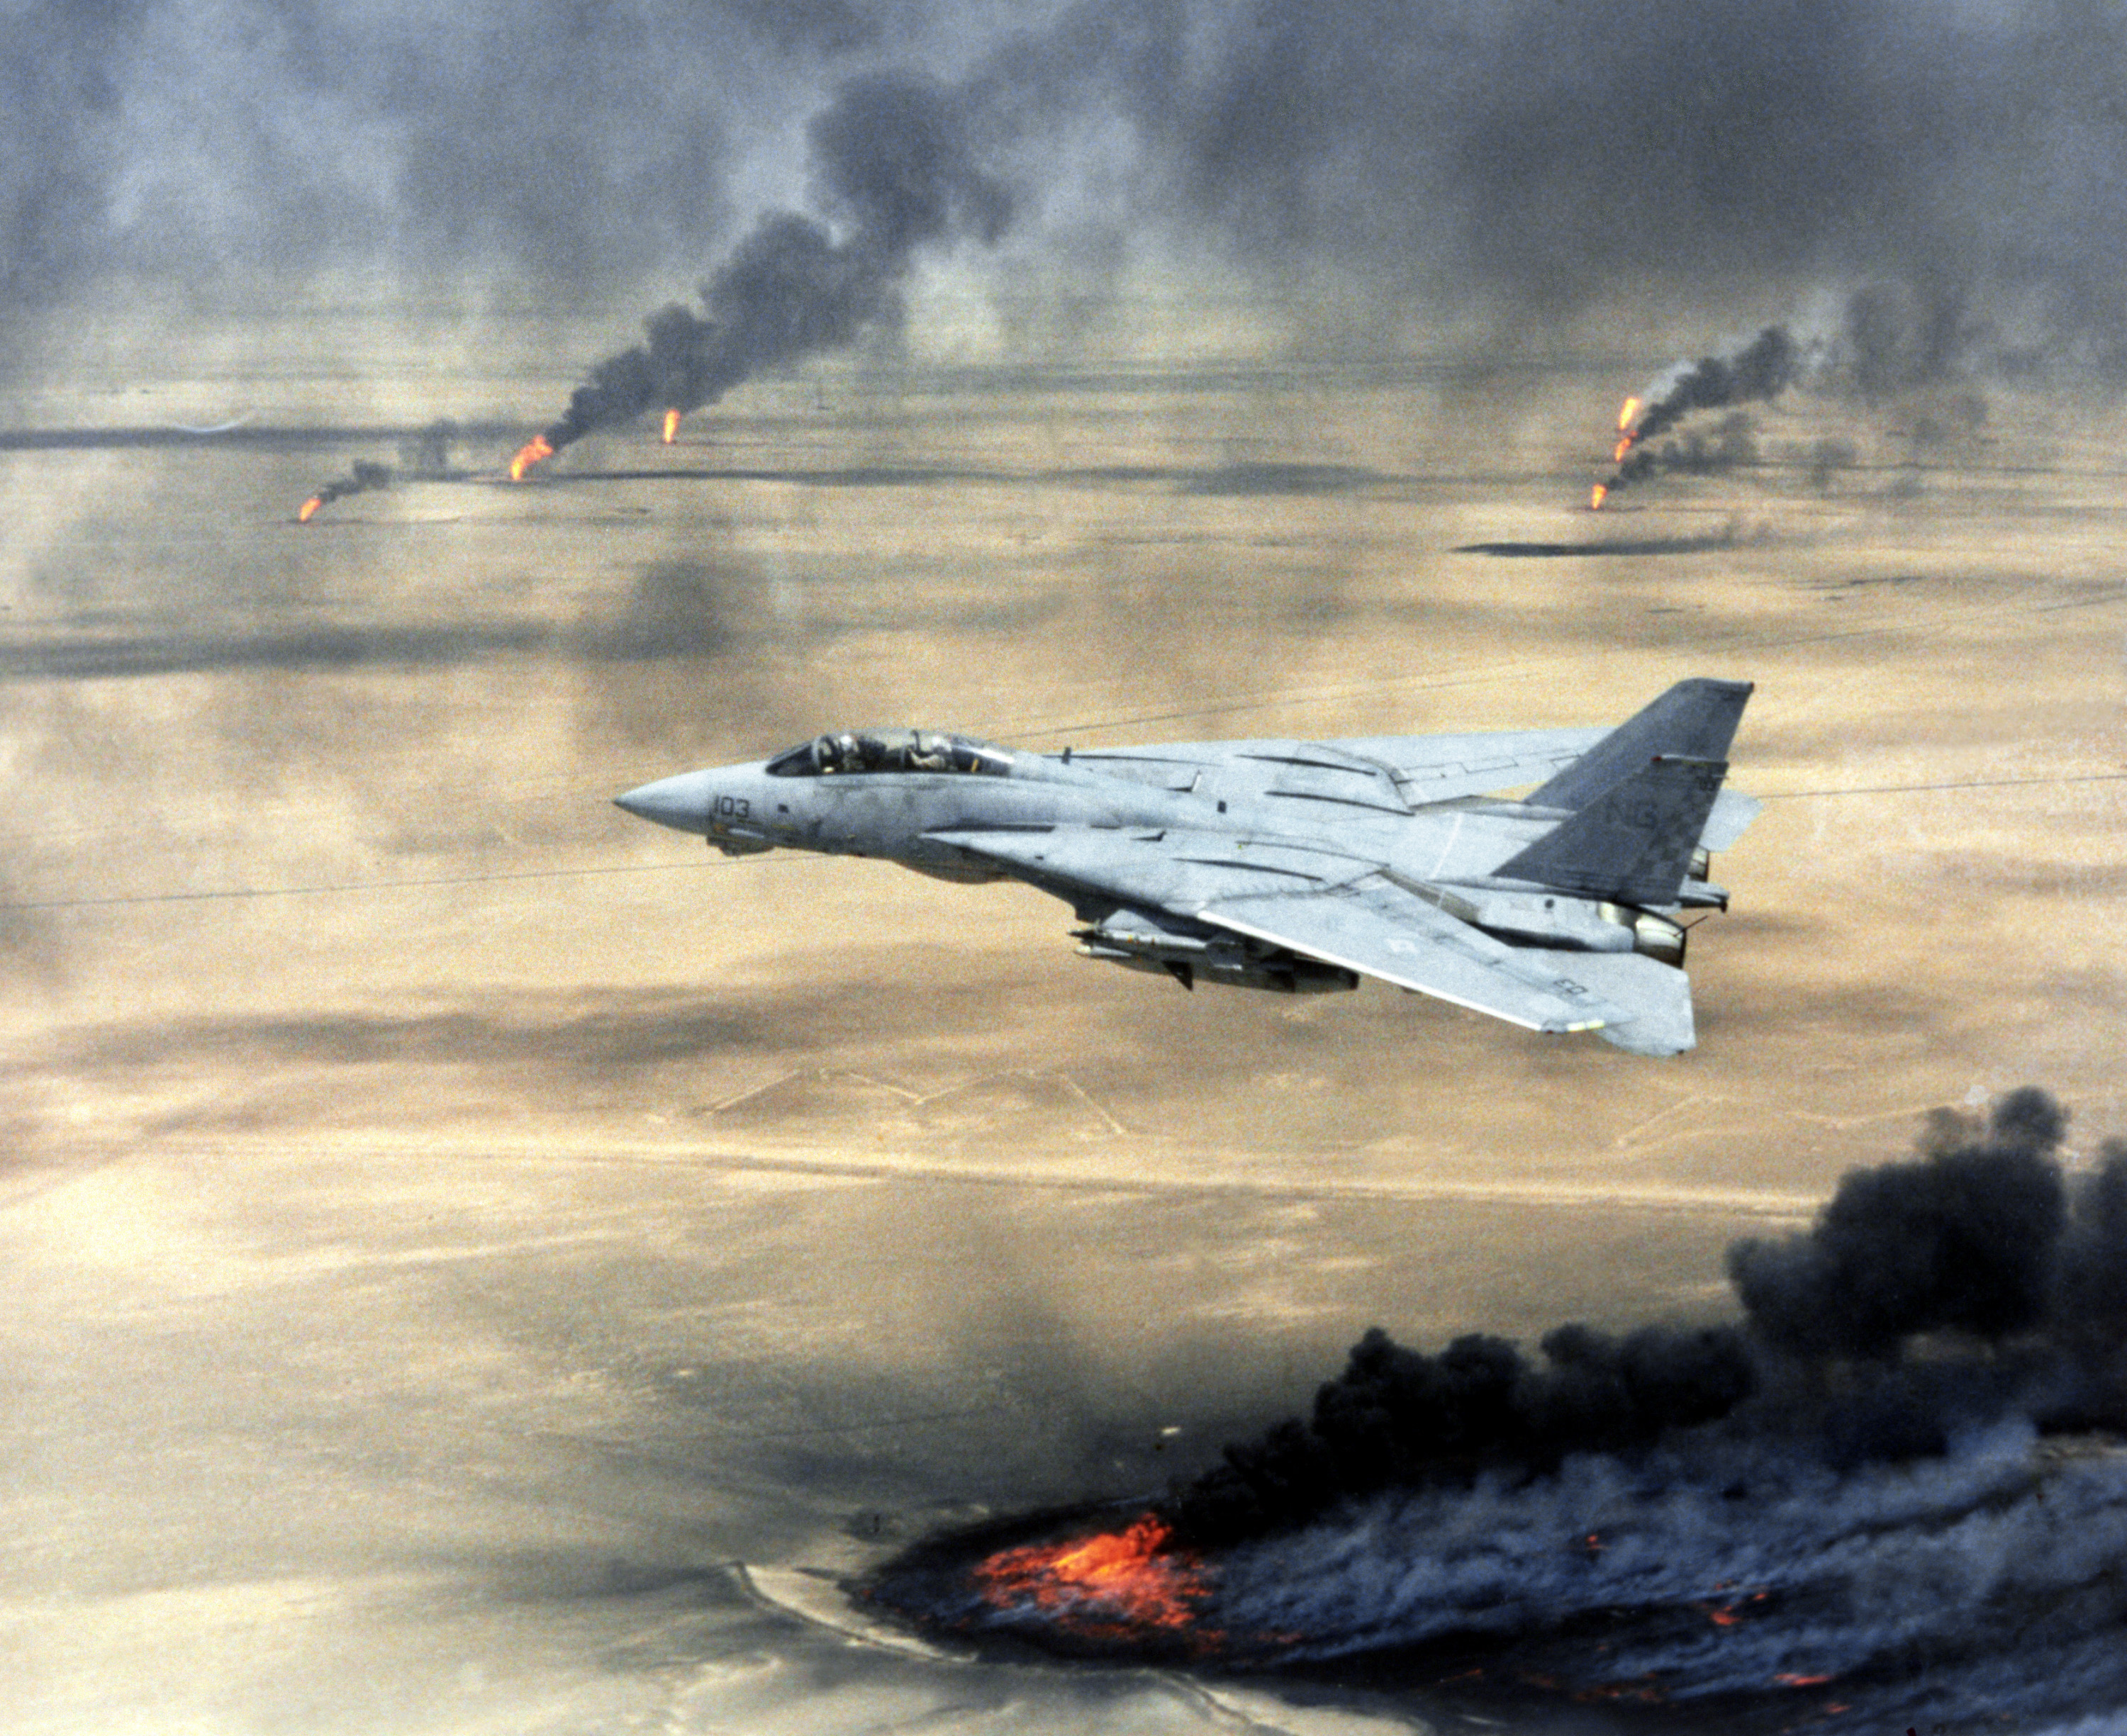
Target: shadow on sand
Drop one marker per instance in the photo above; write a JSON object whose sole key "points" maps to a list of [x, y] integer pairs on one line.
{"points": [[1640, 547]]}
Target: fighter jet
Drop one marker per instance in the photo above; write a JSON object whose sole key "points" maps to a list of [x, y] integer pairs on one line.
{"points": [[1303, 866]]}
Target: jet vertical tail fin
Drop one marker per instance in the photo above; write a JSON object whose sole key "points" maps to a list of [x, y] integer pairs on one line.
{"points": [[1695, 720], [1632, 845]]}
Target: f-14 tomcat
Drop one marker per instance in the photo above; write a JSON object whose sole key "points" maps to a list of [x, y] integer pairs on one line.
{"points": [[1301, 866]]}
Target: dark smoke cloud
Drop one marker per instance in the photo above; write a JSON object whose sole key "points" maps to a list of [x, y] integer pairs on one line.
{"points": [[893, 162], [1888, 345], [241, 146], [1961, 1241], [1824, 458], [2089, 1279], [1398, 1419], [363, 476], [1954, 164], [1981, 1240], [1497, 153], [1981, 1585], [425, 454], [1845, 1517], [61, 70], [1731, 442], [1761, 370]]}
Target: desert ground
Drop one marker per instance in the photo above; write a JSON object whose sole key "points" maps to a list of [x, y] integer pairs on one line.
{"points": [[453, 1226]]}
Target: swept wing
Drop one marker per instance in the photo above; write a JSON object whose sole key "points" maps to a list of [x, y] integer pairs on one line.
{"points": [[1344, 911]]}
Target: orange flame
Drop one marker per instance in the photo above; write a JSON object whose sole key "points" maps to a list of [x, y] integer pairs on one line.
{"points": [[1595, 500], [1626, 433], [1115, 1585], [534, 451], [671, 426], [1801, 1681], [309, 509]]}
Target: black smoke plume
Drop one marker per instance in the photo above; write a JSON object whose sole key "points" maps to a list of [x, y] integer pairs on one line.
{"points": [[894, 164], [1732, 441], [427, 454], [1964, 1239], [1396, 1418], [1760, 371], [364, 476], [1891, 343], [1480, 165], [424, 454], [1979, 1242], [1843, 1511]]}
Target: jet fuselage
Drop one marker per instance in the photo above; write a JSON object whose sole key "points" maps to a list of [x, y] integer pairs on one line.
{"points": [[1295, 864]]}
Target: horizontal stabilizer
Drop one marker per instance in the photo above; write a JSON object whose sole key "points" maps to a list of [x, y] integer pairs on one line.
{"points": [[1695, 720], [1733, 811], [1658, 994], [1633, 843]]}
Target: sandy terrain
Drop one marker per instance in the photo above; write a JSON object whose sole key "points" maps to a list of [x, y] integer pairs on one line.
{"points": [[451, 1222]]}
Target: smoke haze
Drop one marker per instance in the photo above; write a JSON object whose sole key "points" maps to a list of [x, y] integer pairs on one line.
{"points": [[1950, 163]]}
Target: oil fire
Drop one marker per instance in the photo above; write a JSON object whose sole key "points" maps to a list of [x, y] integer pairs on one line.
{"points": [[1595, 500], [364, 476], [1627, 434], [1117, 1584], [671, 426], [533, 452]]}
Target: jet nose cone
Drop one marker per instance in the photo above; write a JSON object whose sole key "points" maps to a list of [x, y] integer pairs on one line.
{"points": [[681, 802]]}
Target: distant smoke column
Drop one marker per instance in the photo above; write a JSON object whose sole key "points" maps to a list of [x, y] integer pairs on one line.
{"points": [[893, 158], [1761, 370], [428, 453], [364, 476]]}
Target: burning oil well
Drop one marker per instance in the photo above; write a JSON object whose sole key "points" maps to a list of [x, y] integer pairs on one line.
{"points": [[1924, 349], [1760, 371], [424, 454], [893, 158], [364, 476], [1897, 1493]]}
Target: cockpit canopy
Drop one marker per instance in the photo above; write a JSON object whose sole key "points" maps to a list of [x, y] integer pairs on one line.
{"points": [[890, 751]]}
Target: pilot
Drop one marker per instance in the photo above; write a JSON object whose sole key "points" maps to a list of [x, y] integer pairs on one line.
{"points": [[930, 753]]}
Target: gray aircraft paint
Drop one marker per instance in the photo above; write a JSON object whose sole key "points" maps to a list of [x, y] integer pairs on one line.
{"points": [[1298, 865]]}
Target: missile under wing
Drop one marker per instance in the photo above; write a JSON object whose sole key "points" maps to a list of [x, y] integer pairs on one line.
{"points": [[1300, 866]]}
